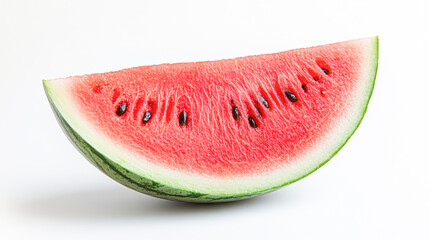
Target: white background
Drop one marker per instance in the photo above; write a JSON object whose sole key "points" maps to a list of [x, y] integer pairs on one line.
{"points": [[377, 187]]}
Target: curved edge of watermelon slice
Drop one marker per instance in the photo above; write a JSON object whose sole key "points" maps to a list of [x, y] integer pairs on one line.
{"points": [[167, 184]]}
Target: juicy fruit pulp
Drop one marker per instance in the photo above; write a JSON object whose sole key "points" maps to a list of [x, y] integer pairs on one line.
{"points": [[219, 130]]}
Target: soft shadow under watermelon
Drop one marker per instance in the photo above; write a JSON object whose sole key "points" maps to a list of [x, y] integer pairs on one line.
{"points": [[118, 203]]}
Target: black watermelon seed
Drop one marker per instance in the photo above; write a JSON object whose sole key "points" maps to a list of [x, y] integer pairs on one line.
{"points": [[325, 71], [291, 96], [265, 102], [304, 87], [252, 122], [121, 109], [235, 113], [146, 117], [183, 119]]}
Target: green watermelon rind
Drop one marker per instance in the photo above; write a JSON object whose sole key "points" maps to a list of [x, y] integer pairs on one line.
{"points": [[154, 188]]}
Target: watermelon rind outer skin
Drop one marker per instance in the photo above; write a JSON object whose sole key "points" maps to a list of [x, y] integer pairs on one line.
{"points": [[147, 186]]}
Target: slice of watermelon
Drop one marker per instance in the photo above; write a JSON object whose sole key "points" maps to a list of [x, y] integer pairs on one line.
{"points": [[219, 130]]}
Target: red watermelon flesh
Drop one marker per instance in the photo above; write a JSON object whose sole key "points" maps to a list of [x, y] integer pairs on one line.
{"points": [[226, 119]]}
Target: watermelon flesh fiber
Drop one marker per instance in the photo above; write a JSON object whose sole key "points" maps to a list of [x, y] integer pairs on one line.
{"points": [[304, 104]]}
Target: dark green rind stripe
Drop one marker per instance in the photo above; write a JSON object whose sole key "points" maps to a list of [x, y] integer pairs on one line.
{"points": [[132, 180]]}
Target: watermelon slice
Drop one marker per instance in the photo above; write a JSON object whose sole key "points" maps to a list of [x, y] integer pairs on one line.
{"points": [[219, 130]]}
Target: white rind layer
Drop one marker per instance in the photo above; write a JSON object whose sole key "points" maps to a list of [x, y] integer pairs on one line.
{"points": [[296, 169]]}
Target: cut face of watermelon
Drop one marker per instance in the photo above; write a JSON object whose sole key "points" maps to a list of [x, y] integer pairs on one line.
{"points": [[219, 130]]}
